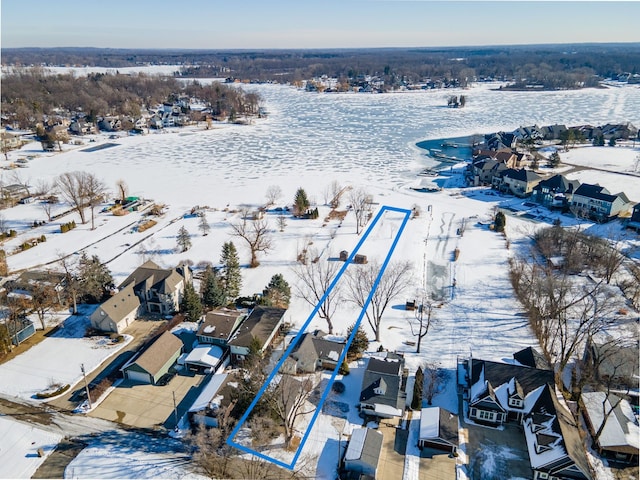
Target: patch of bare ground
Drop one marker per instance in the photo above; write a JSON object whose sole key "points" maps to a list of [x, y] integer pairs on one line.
{"points": [[336, 215]]}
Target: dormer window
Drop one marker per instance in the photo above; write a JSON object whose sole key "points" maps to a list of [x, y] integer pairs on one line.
{"points": [[515, 402]]}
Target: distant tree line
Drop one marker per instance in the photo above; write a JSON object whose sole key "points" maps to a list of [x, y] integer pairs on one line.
{"points": [[548, 66], [30, 96]]}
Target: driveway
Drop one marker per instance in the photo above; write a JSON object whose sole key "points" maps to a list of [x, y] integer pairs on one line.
{"points": [[150, 406], [394, 445]]}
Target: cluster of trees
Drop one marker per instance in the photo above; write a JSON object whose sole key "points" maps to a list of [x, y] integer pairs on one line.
{"points": [[565, 309], [32, 96], [549, 66]]}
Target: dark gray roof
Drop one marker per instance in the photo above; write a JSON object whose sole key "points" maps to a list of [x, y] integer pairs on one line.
{"points": [[500, 373], [530, 357], [219, 324], [559, 184], [365, 445], [565, 426], [523, 175], [386, 374], [597, 192], [260, 324]]}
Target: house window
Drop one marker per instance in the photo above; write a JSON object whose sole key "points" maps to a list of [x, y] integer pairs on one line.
{"points": [[515, 402], [474, 412], [484, 415], [543, 475]]}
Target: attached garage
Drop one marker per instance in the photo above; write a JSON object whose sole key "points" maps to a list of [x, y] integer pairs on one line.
{"points": [[155, 361]]}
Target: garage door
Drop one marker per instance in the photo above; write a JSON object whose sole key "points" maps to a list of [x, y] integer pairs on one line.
{"points": [[138, 376]]}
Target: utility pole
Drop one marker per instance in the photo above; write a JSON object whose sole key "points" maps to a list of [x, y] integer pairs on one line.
{"points": [[86, 385], [175, 411]]}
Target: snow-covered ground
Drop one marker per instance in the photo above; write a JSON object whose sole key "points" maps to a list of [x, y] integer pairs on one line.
{"points": [[19, 444], [308, 141]]}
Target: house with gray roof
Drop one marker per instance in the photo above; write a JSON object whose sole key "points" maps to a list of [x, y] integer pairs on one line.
{"points": [[504, 392], [383, 387], [498, 391], [530, 357], [516, 182], [363, 453], [160, 290], [596, 202], [262, 324], [555, 192], [218, 326], [610, 418], [154, 361], [553, 440], [312, 352], [116, 313]]}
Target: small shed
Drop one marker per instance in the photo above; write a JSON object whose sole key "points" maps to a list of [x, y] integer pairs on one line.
{"points": [[344, 255], [360, 259]]}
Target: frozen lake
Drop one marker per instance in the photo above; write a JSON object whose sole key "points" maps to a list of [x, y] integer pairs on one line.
{"points": [[365, 138]]}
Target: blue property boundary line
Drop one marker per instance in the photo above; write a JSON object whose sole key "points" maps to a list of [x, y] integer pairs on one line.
{"points": [[303, 329]]}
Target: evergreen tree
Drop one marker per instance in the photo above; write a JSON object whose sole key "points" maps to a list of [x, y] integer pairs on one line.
{"points": [[212, 290], [359, 344], [416, 401], [94, 279], [190, 305], [500, 222], [277, 293], [231, 275], [612, 142], [300, 202], [554, 159], [183, 239]]}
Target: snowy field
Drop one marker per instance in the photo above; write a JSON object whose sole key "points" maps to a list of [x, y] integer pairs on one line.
{"points": [[308, 141], [19, 444]]}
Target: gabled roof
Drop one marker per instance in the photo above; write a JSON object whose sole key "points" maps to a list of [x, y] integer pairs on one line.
{"points": [[259, 324], [150, 276], [501, 373], [559, 433], [384, 374], [158, 353], [121, 304], [599, 193], [530, 357], [365, 445], [313, 346], [559, 184], [620, 428], [219, 324], [438, 423], [522, 175]]}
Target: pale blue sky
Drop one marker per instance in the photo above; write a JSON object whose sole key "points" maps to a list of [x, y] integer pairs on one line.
{"points": [[214, 24]]}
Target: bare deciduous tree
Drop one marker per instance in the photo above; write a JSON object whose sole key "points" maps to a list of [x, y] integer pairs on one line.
{"points": [[423, 319], [361, 280], [274, 192], [314, 280], [288, 401], [94, 193], [72, 189], [47, 191], [434, 381], [257, 235], [360, 201]]}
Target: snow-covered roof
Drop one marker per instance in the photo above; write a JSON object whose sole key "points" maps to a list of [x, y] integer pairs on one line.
{"points": [[205, 355], [387, 410], [208, 393], [365, 445], [620, 428], [430, 422]]}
